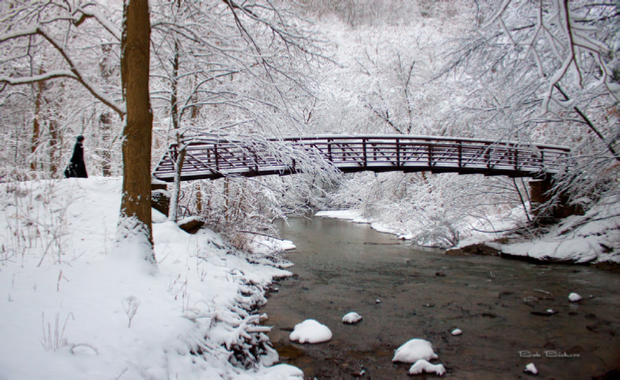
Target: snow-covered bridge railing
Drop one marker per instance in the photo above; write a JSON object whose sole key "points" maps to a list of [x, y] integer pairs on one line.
{"points": [[208, 158]]}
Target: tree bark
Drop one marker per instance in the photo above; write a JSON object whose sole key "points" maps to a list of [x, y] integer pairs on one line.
{"points": [[105, 119], [36, 126], [105, 122], [174, 114], [135, 218], [54, 147]]}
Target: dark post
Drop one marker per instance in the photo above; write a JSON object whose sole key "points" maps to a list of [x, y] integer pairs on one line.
{"points": [[430, 155], [516, 159], [217, 158], [255, 162], [175, 154], [329, 150], [365, 157], [487, 155], [398, 152]]}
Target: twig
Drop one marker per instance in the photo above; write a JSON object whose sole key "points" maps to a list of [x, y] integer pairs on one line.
{"points": [[544, 291]]}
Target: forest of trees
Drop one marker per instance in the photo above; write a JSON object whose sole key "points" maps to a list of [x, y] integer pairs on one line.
{"points": [[134, 77]]}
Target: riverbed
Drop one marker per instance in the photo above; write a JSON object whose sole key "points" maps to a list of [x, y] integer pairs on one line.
{"points": [[404, 293]]}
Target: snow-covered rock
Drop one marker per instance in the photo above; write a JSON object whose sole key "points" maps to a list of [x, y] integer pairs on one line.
{"points": [[310, 331], [422, 366], [158, 217], [351, 318], [280, 372], [414, 350], [531, 368], [457, 332], [574, 297]]}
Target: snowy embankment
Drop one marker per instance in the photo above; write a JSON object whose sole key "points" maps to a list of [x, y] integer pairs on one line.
{"points": [[590, 238], [356, 216], [78, 306]]}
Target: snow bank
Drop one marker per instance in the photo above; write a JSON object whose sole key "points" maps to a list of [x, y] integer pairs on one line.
{"points": [[268, 245], [310, 331], [79, 306], [356, 217], [353, 215], [590, 238], [593, 237]]}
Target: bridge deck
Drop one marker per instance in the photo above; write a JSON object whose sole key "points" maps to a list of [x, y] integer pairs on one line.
{"points": [[210, 158]]}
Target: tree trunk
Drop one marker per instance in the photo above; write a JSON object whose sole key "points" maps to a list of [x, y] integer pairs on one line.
{"points": [[174, 114], [36, 126], [176, 186], [105, 119], [198, 199], [135, 219], [54, 151]]}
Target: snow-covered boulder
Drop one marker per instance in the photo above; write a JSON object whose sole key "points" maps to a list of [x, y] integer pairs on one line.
{"points": [[531, 368], [574, 297], [457, 332], [310, 331], [422, 366], [157, 216], [351, 318], [414, 350], [279, 372]]}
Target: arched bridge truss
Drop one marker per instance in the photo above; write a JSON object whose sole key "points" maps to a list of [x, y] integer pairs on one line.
{"points": [[208, 158]]}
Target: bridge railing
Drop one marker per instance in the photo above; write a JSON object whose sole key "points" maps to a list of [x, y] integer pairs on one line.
{"points": [[206, 158]]}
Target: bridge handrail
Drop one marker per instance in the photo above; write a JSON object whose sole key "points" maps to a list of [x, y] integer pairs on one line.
{"points": [[209, 157], [332, 138]]}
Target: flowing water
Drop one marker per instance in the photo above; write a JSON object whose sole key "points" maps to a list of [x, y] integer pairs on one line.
{"points": [[404, 293]]}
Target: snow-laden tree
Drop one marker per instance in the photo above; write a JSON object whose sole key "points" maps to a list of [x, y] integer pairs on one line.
{"points": [[546, 71], [57, 109], [216, 66], [34, 30], [230, 70]]}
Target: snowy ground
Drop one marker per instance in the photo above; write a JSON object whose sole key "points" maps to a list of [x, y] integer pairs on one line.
{"points": [[594, 237], [77, 306]]}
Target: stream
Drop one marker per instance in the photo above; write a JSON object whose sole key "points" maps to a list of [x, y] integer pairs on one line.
{"points": [[404, 293]]}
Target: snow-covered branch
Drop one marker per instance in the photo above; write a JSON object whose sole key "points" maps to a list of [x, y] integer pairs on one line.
{"points": [[75, 72]]}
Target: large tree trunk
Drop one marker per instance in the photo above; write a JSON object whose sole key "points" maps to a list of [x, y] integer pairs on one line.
{"points": [[135, 219]]}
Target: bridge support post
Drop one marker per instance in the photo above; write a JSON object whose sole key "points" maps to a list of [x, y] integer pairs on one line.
{"points": [[540, 192]]}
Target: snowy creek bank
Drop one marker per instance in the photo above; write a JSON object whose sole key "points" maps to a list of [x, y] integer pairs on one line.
{"points": [[77, 305], [501, 307]]}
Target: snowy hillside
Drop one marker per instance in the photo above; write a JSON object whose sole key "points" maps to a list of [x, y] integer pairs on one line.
{"points": [[77, 306]]}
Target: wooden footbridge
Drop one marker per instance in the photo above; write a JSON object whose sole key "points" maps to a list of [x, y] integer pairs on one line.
{"points": [[212, 158]]}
